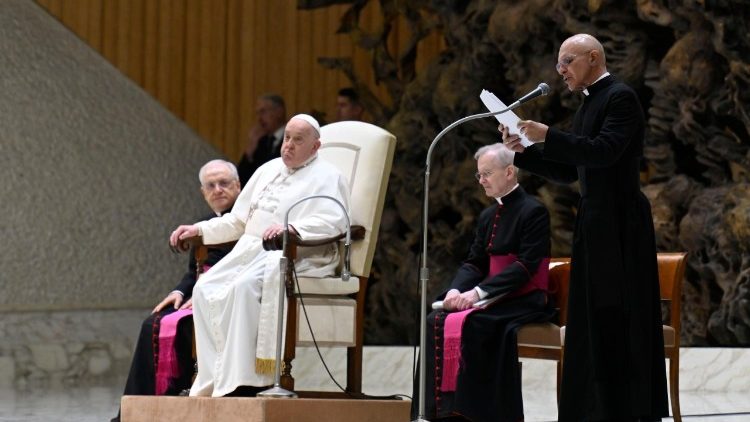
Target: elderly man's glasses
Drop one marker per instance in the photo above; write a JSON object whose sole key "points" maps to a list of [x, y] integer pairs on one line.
{"points": [[483, 174], [566, 61], [224, 184]]}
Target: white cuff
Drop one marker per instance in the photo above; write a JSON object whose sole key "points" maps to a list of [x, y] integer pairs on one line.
{"points": [[482, 294]]}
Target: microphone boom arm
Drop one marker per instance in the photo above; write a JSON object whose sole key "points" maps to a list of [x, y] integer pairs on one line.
{"points": [[277, 391], [347, 242]]}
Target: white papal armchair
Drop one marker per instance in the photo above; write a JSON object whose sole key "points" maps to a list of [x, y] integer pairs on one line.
{"points": [[363, 153]]}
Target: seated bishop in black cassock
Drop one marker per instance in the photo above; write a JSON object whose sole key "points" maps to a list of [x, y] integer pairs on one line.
{"points": [[471, 353], [163, 360], [142, 378]]}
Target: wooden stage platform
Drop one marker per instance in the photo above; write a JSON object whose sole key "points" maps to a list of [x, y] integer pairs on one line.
{"points": [[250, 409]]}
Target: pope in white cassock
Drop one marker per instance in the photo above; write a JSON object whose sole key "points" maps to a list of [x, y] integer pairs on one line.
{"points": [[235, 303]]}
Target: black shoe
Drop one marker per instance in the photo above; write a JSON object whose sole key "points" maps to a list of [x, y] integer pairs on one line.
{"points": [[246, 391]]}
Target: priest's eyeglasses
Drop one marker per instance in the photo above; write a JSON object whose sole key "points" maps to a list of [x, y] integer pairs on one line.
{"points": [[224, 184], [566, 61], [483, 174]]}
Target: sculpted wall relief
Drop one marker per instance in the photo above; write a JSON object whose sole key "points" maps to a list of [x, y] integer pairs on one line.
{"points": [[690, 63]]}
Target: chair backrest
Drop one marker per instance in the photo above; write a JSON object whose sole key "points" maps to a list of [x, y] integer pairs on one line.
{"points": [[671, 267], [671, 273], [559, 283], [364, 154]]}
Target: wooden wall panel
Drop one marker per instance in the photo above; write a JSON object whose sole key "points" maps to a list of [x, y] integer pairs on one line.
{"points": [[150, 48], [208, 60], [232, 76]]}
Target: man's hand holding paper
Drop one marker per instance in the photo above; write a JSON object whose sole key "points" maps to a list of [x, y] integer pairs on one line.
{"points": [[517, 134], [533, 131], [509, 118]]}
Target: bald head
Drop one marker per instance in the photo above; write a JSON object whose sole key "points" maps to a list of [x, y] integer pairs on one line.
{"points": [[585, 42], [581, 61]]}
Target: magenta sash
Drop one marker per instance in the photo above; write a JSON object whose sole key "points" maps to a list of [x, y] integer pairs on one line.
{"points": [[454, 322], [540, 281], [167, 367]]}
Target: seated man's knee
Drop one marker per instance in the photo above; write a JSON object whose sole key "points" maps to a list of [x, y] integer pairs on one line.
{"points": [[148, 324]]}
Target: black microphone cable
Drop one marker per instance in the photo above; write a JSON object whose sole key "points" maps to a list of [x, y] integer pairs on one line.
{"points": [[357, 396]]}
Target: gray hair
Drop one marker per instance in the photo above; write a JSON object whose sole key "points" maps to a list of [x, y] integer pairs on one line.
{"points": [[232, 169], [502, 156]]}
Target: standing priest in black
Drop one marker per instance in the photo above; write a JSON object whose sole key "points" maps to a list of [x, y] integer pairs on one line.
{"points": [[613, 369], [477, 376], [220, 186]]}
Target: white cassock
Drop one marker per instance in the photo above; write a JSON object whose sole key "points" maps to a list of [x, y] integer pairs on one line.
{"points": [[235, 303]]}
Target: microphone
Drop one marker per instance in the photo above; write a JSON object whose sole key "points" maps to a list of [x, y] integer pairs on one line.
{"points": [[542, 89]]}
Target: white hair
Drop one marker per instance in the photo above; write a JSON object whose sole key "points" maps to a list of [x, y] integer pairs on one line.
{"points": [[232, 169], [502, 156]]}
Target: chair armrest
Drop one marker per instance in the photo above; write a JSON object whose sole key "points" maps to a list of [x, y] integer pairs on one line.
{"points": [[276, 243], [200, 250], [197, 242], [184, 245]]}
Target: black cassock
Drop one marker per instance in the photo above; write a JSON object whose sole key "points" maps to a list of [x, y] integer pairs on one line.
{"points": [[488, 387], [142, 376], [613, 367]]}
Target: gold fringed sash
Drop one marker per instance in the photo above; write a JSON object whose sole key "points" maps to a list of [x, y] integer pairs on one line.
{"points": [[265, 366]]}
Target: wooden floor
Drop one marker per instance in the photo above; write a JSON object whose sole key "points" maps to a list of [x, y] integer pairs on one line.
{"points": [[246, 409]]}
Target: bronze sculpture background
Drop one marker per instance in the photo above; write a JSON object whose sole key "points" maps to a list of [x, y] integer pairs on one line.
{"points": [[690, 63]]}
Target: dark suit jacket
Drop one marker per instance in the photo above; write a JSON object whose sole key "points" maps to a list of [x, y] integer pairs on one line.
{"points": [[263, 153]]}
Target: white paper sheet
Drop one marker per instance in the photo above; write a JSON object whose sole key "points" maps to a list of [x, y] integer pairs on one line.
{"points": [[438, 304], [509, 118]]}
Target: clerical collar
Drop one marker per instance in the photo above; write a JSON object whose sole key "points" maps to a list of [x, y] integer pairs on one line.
{"points": [[219, 214], [500, 199], [604, 75]]}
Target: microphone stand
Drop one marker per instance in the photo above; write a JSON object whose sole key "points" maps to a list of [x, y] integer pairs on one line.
{"points": [[424, 274], [277, 391]]}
